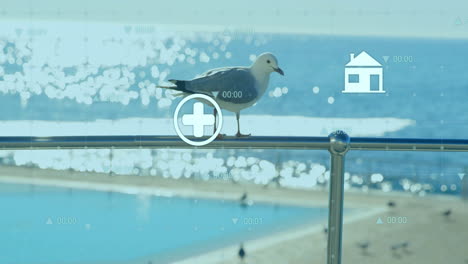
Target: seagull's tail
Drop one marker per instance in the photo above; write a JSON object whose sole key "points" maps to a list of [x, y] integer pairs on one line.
{"points": [[179, 86]]}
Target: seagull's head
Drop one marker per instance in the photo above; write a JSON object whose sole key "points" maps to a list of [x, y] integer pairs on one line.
{"points": [[268, 63]]}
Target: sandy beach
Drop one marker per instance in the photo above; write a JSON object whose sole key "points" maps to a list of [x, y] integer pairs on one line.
{"points": [[432, 237]]}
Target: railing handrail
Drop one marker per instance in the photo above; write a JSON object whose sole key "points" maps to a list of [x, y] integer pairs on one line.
{"points": [[253, 142], [411, 144]]}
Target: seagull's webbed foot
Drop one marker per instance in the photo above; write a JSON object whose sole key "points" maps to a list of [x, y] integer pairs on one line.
{"points": [[239, 134], [220, 136]]}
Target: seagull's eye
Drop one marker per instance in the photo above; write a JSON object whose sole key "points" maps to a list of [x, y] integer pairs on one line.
{"points": [[268, 61]]}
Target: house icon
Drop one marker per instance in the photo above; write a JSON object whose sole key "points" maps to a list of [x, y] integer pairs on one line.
{"points": [[363, 74]]}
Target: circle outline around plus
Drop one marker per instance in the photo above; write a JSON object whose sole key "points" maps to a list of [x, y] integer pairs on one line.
{"points": [[176, 123]]}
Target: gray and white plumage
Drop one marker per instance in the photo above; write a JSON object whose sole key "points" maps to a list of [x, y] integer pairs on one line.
{"points": [[233, 88], [218, 82]]}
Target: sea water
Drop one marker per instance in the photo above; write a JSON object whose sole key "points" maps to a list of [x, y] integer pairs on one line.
{"points": [[57, 225], [62, 73]]}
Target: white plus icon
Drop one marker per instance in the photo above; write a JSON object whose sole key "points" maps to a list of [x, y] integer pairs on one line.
{"points": [[198, 119]]}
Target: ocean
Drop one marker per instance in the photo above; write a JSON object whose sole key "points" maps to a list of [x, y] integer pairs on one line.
{"points": [[67, 75], [146, 228]]}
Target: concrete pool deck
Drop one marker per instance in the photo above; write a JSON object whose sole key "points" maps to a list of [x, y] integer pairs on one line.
{"points": [[433, 238]]}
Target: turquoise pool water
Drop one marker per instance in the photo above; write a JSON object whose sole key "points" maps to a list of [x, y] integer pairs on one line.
{"points": [[57, 225]]}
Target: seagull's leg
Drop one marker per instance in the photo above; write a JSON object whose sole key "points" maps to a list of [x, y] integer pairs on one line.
{"points": [[238, 127], [215, 113]]}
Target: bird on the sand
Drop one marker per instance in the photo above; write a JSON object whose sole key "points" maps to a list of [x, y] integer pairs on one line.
{"points": [[325, 230], [394, 249], [241, 253], [243, 201], [364, 246], [404, 246], [447, 213], [243, 197], [391, 204], [233, 88], [395, 246]]}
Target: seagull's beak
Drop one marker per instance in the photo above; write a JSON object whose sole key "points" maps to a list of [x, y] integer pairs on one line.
{"points": [[279, 70]]}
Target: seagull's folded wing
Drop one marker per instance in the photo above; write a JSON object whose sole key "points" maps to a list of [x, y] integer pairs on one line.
{"points": [[235, 84]]}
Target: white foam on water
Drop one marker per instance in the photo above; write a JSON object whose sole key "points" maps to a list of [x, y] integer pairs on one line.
{"points": [[257, 125]]}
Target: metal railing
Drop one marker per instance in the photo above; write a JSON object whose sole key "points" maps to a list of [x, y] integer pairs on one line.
{"points": [[337, 143], [319, 143]]}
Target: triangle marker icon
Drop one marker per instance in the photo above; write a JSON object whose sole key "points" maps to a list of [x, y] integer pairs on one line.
{"points": [[385, 58], [49, 221], [379, 221], [234, 220], [461, 175]]}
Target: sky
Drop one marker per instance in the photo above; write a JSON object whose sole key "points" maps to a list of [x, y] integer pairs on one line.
{"points": [[396, 18]]}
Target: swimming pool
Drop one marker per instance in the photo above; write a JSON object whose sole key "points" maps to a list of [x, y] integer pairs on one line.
{"points": [[59, 225]]}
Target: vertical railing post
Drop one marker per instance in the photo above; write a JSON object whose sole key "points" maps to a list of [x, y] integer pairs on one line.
{"points": [[339, 145]]}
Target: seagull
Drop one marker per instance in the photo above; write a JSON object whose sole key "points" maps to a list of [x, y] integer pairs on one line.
{"points": [[395, 246], [241, 253], [391, 204], [243, 200], [243, 197], [447, 213], [394, 249], [325, 230], [233, 88], [405, 246], [364, 246]]}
